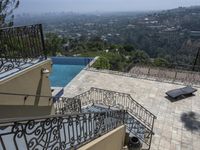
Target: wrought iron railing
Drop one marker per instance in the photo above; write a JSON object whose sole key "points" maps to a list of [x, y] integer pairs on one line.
{"points": [[138, 120], [120, 100], [133, 126], [65, 105], [61, 132], [177, 76], [174, 75], [21, 47], [137, 116], [136, 128]]}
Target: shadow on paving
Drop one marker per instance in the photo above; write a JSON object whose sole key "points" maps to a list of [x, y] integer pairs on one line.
{"points": [[191, 121]]}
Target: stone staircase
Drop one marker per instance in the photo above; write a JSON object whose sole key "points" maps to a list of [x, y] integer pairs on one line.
{"points": [[139, 121]]}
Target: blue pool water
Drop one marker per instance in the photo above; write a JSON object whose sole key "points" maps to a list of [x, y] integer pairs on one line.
{"points": [[64, 69]]}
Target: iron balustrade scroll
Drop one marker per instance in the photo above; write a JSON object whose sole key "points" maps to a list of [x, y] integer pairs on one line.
{"points": [[65, 105], [63, 132], [20, 46], [138, 120], [119, 100], [136, 128]]}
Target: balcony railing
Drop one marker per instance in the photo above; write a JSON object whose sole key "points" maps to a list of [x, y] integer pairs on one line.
{"points": [[21, 47], [119, 100], [139, 121], [63, 132], [65, 105], [25, 132], [178, 75], [136, 128]]}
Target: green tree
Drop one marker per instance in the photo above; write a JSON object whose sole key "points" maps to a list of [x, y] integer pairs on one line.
{"points": [[102, 63], [140, 57], [53, 44], [129, 48], [6, 12], [160, 62]]}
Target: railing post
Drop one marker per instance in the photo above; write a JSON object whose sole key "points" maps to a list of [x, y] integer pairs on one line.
{"points": [[148, 71], [80, 110], [124, 116], [42, 40], [195, 62], [151, 132], [175, 75]]}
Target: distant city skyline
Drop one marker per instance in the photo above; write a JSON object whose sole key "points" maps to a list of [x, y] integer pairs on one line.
{"points": [[42, 6]]}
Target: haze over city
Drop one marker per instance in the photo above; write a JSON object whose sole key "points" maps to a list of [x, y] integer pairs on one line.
{"points": [[38, 6]]}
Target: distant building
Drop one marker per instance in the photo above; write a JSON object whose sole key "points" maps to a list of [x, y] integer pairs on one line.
{"points": [[130, 26], [195, 33]]}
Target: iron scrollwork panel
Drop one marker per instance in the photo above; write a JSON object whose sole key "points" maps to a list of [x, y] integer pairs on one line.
{"points": [[119, 100], [62, 132], [136, 128], [20, 45]]}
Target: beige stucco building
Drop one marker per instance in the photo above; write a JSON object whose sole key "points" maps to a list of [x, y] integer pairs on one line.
{"points": [[29, 81]]}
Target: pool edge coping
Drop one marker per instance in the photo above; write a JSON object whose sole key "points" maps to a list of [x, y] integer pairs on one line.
{"points": [[81, 72]]}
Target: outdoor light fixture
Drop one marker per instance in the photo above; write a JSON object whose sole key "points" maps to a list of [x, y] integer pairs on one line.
{"points": [[45, 71]]}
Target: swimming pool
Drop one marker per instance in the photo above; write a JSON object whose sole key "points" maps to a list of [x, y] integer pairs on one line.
{"points": [[64, 69]]}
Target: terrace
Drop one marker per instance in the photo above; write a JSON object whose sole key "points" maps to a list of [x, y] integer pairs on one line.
{"points": [[98, 107], [178, 123]]}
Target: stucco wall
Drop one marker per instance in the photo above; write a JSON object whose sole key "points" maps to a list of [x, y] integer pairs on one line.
{"points": [[29, 81], [114, 140]]}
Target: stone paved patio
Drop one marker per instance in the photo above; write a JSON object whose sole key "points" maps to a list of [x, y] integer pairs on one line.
{"points": [[178, 123]]}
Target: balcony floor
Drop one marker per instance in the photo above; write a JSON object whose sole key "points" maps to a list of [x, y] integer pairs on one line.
{"points": [[18, 69], [178, 123]]}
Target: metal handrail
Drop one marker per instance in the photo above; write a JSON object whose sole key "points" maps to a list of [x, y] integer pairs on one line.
{"points": [[72, 107], [142, 106], [164, 75], [139, 126], [139, 118], [63, 132], [127, 100], [191, 77], [149, 124], [21, 46]]}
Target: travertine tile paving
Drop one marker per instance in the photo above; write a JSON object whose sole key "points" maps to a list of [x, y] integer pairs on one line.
{"points": [[178, 123]]}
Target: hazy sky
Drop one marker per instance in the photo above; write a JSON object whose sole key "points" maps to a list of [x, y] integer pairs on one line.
{"points": [[38, 6]]}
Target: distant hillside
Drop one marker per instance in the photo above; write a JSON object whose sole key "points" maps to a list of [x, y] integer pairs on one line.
{"points": [[161, 34], [182, 17]]}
